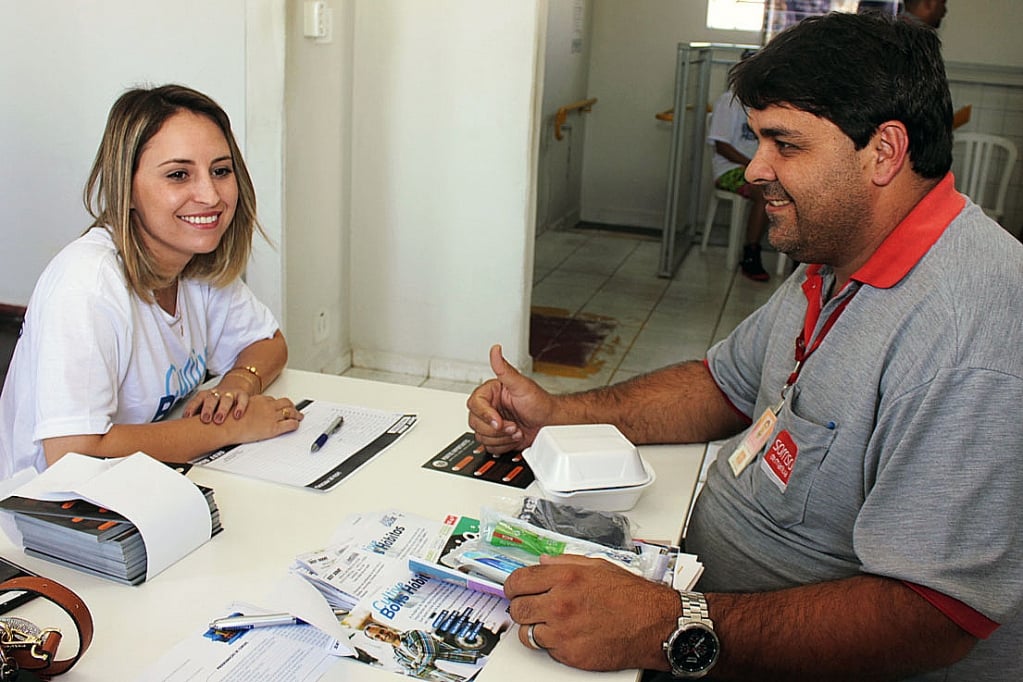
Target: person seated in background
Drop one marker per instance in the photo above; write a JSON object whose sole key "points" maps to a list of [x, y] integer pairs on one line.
{"points": [[734, 144], [862, 520], [128, 319], [930, 12]]}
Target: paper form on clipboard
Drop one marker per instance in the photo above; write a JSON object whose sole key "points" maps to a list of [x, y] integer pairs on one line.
{"points": [[287, 459]]}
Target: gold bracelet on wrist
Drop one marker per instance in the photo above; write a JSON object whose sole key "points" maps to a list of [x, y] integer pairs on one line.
{"points": [[252, 373]]}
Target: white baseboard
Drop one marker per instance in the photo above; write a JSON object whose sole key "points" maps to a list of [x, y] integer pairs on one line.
{"points": [[324, 361], [337, 365], [397, 363], [632, 218], [458, 370], [417, 365]]}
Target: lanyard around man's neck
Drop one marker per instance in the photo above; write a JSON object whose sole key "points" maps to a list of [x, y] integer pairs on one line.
{"points": [[806, 342]]}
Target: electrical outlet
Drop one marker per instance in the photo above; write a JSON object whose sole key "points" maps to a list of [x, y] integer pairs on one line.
{"points": [[320, 326]]}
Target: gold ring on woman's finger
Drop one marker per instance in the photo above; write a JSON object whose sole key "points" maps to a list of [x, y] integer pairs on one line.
{"points": [[229, 395], [286, 412], [215, 395]]}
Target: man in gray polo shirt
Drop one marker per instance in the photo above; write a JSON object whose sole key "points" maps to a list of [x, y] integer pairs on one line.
{"points": [[868, 524]]}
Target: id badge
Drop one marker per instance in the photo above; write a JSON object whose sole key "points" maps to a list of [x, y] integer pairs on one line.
{"points": [[754, 441]]}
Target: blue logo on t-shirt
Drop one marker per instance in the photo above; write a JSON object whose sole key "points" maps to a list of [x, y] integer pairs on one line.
{"points": [[180, 382]]}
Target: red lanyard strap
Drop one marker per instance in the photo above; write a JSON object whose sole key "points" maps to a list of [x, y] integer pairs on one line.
{"points": [[806, 343]]}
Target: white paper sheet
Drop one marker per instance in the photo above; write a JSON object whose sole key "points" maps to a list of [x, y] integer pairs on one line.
{"points": [[295, 652], [287, 458], [296, 596], [172, 523]]}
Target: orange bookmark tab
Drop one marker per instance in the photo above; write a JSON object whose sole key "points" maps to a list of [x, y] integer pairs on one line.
{"points": [[754, 441]]}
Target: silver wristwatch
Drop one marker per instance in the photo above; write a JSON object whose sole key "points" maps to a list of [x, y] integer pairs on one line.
{"points": [[693, 648]]}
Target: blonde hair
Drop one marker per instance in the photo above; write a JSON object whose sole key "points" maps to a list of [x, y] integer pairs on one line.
{"points": [[134, 119]]}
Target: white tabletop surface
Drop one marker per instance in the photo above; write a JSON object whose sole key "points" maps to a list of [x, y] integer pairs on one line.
{"points": [[266, 525]]}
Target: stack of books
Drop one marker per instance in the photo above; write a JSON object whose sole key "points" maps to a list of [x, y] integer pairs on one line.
{"points": [[82, 536]]}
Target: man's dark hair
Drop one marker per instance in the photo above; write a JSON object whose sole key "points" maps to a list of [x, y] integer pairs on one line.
{"points": [[858, 71]]}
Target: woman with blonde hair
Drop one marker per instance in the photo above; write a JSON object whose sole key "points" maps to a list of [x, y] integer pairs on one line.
{"points": [[132, 317]]}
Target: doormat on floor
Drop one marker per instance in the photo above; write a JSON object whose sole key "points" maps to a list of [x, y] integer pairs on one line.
{"points": [[564, 345]]}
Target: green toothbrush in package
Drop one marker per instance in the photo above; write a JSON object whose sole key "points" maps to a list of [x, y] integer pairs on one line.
{"points": [[508, 535]]}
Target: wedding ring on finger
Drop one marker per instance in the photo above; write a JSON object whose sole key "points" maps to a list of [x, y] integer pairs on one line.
{"points": [[286, 412], [215, 394], [531, 636], [229, 395]]}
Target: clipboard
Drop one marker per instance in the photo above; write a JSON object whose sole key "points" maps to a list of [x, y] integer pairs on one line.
{"points": [[287, 458]]}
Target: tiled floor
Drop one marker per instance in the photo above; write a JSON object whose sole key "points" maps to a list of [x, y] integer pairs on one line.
{"points": [[613, 275]]}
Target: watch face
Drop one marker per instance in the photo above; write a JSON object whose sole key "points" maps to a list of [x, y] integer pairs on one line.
{"points": [[694, 649]]}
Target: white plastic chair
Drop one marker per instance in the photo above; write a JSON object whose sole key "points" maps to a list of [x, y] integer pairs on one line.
{"points": [[736, 226], [983, 165]]}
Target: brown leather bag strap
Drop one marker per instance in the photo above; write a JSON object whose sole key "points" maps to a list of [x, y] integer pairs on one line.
{"points": [[72, 605]]}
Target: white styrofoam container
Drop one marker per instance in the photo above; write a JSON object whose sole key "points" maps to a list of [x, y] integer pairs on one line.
{"points": [[600, 499], [585, 457]]}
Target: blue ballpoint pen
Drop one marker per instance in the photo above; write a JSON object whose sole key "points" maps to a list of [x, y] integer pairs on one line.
{"points": [[321, 440]]}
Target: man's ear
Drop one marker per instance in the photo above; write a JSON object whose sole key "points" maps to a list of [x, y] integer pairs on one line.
{"points": [[890, 146]]}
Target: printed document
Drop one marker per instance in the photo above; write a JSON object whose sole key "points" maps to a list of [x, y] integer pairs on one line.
{"points": [[289, 459]]}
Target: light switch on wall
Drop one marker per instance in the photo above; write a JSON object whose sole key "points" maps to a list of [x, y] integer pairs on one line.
{"points": [[317, 21]]}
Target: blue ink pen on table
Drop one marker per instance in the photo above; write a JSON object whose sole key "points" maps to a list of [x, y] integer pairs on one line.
{"points": [[321, 440]]}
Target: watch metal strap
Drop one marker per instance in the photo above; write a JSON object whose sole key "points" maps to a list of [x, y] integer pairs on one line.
{"points": [[694, 608]]}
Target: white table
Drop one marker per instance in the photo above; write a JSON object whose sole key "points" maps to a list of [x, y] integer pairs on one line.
{"points": [[266, 525]]}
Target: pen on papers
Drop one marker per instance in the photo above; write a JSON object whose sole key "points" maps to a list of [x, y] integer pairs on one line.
{"points": [[321, 440], [249, 622]]}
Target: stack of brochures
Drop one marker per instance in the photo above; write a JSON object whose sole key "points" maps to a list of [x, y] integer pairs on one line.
{"points": [[365, 546], [391, 613], [403, 584], [82, 536]]}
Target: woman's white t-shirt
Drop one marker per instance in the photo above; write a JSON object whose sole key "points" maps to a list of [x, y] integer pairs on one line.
{"points": [[93, 354]]}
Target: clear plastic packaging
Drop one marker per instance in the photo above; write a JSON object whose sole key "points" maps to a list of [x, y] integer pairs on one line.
{"points": [[610, 529], [507, 533]]}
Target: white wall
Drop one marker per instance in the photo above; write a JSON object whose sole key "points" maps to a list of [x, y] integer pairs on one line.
{"points": [[410, 145], [264, 145], [565, 80], [63, 69], [317, 189], [983, 32], [632, 71], [444, 114], [426, 267]]}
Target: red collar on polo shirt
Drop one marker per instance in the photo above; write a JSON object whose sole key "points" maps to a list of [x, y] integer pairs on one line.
{"points": [[911, 238], [894, 258], [892, 261]]}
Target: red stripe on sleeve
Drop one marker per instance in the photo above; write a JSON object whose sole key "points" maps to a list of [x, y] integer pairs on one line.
{"points": [[966, 617], [735, 409]]}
